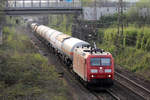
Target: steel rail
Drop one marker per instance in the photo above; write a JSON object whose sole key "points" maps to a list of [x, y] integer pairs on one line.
{"points": [[113, 94], [97, 96], [133, 86]]}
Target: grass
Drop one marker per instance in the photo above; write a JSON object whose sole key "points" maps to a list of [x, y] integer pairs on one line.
{"points": [[61, 23]]}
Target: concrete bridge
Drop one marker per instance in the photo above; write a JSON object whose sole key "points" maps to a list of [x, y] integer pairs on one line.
{"points": [[22, 7]]}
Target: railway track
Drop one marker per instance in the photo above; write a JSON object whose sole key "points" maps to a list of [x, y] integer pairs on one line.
{"points": [[69, 76], [113, 94], [110, 95], [133, 86]]}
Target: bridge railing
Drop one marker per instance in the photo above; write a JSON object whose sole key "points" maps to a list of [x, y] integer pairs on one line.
{"points": [[43, 4]]}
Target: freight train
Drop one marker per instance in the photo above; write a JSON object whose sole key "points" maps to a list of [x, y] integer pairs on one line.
{"points": [[93, 66]]}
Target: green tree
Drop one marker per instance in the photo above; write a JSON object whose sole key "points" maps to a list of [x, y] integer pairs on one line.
{"points": [[2, 2], [136, 13]]}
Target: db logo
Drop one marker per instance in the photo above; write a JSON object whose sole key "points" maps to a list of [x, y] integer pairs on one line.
{"points": [[101, 71]]}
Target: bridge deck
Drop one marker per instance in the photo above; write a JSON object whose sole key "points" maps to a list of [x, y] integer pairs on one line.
{"points": [[29, 11], [16, 7]]}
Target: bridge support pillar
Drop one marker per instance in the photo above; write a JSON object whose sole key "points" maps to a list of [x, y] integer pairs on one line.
{"points": [[40, 4], [23, 4], [31, 3], [1, 32], [6, 3], [15, 3], [48, 3]]}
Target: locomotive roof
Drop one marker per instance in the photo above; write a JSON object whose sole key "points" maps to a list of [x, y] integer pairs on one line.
{"points": [[86, 51]]}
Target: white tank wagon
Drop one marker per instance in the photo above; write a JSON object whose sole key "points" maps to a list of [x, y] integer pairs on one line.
{"points": [[54, 39], [60, 42], [41, 30], [48, 34], [69, 45]]}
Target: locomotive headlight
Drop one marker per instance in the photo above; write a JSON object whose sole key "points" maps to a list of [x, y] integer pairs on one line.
{"points": [[107, 70], [109, 76], [93, 76], [94, 71]]}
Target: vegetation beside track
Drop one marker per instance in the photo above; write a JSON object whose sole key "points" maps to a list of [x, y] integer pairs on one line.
{"points": [[24, 73], [61, 23], [131, 50]]}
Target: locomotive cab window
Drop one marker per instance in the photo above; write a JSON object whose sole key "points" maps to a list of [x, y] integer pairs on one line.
{"points": [[100, 62], [105, 62], [95, 61]]}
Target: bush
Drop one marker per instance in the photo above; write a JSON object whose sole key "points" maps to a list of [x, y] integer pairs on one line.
{"points": [[61, 23], [26, 74], [110, 35], [139, 39], [130, 36]]}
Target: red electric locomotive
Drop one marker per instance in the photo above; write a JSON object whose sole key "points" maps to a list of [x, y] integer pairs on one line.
{"points": [[95, 67]]}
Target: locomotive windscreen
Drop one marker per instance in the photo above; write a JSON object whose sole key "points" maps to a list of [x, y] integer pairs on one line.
{"points": [[69, 0], [100, 62]]}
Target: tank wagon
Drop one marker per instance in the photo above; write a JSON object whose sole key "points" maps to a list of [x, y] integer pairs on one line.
{"points": [[93, 66]]}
